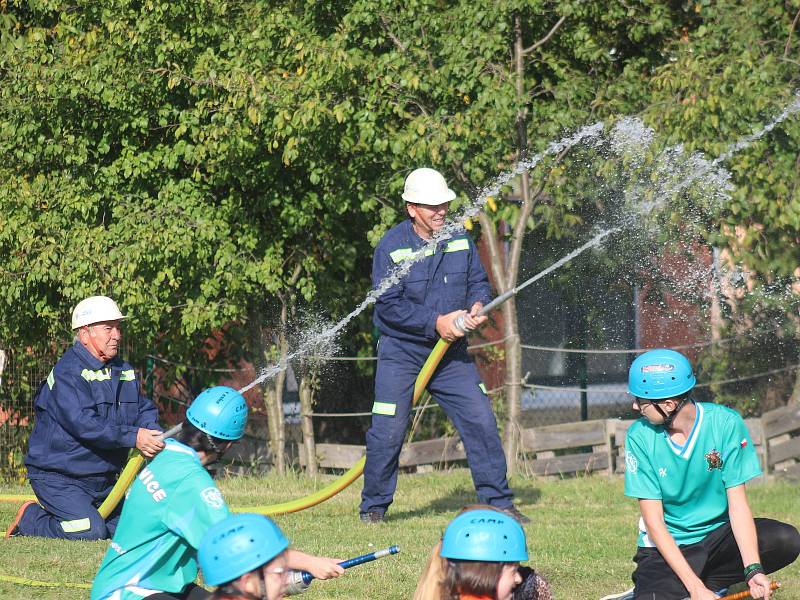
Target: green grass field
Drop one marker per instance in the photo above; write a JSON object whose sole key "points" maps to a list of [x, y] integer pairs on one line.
{"points": [[582, 536]]}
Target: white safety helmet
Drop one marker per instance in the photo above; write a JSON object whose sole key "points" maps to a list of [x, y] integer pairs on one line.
{"points": [[95, 309], [427, 186]]}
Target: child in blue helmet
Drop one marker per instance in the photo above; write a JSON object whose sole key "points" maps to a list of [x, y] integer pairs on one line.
{"points": [[481, 550], [687, 464], [171, 505], [533, 585], [246, 557]]}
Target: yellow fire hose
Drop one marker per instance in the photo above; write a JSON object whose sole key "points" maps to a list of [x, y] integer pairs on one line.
{"points": [[50, 584], [137, 462], [336, 486], [126, 478]]}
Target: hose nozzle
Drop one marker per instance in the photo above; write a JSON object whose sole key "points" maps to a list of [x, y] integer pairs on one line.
{"points": [[460, 323], [298, 581]]}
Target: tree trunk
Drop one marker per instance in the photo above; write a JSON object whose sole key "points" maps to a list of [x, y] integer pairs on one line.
{"points": [[279, 458], [795, 397], [307, 387], [513, 384], [277, 425], [272, 415], [715, 291], [505, 260], [279, 447], [273, 397], [715, 314]]}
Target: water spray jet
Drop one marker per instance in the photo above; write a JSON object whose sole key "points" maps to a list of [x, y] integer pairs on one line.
{"points": [[700, 167]]}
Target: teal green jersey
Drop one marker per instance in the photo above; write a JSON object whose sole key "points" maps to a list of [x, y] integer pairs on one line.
{"points": [[170, 506], [692, 479]]}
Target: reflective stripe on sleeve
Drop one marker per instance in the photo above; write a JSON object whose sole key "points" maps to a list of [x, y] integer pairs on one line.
{"points": [[483, 388], [384, 408], [100, 375], [76, 525], [457, 245], [128, 375], [401, 254], [51, 379]]}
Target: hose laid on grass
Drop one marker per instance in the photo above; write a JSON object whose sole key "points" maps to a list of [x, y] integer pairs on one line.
{"points": [[49, 584], [336, 486], [134, 464]]}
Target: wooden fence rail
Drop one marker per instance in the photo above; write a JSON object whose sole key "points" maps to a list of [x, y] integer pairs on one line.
{"points": [[584, 447]]}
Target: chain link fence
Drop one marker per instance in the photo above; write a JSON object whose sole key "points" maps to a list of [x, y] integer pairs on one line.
{"points": [[21, 374], [588, 384]]}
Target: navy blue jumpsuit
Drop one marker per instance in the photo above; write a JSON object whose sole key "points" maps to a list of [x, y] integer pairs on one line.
{"points": [[87, 416], [447, 279]]}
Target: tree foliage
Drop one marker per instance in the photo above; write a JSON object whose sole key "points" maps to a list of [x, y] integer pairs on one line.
{"points": [[204, 162]]}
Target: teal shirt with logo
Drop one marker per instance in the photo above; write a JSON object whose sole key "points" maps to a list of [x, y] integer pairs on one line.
{"points": [[171, 504], [692, 479]]}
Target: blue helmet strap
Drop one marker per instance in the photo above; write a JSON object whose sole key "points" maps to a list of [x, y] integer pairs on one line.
{"points": [[212, 443], [262, 584], [262, 588], [669, 418], [217, 453]]}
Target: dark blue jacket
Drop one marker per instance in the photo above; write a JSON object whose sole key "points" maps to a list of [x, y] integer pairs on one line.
{"points": [[87, 416], [450, 278]]}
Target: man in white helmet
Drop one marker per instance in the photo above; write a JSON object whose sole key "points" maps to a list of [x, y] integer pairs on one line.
{"points": [[89, 414], [446, 281]]}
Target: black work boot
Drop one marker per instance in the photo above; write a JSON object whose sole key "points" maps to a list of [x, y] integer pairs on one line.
{"points": [[371, 517], [512, 511]]}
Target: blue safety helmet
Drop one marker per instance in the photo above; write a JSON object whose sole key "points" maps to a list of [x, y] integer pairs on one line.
{"points": [[660, 374], [219, 411], [238, 545], [484, 535]]}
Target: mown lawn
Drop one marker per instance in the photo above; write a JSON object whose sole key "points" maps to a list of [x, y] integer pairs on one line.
{"points": [[582, 536]]}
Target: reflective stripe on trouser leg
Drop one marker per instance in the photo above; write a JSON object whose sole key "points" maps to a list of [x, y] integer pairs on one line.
{"points": [[384, 408], [67, 506], [394, 386], [76, 525], [456, 387]]}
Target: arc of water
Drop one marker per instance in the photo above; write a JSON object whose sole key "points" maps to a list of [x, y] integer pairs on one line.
{"points": [[424, 376], [438, 353], [588, 132]]}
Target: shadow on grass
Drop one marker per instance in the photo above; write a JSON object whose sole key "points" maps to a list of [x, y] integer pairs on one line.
{"points": [[459, 497]]}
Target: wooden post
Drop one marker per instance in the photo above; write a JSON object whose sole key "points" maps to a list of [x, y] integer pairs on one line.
{"points": [[307, 386], [610, 427]]}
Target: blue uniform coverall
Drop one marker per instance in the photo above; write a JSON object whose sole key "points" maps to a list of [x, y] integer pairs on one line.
{"points": [[448, 278], [87, 416]]}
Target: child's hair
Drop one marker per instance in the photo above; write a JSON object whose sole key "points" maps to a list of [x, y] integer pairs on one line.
{"points": [[471, 577], [197, 439], [429, 586]]}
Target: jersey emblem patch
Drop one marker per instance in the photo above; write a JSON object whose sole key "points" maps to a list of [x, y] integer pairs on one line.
{"points": [[743, 443], [662, 472], [631, 464], [212, 497], [714, 460]]}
